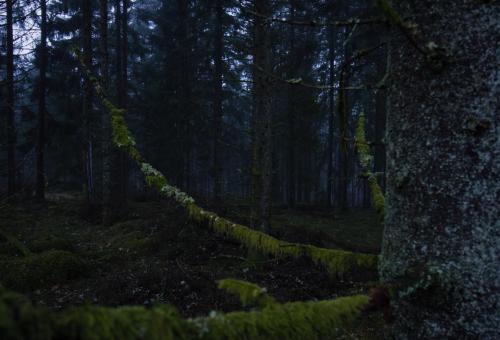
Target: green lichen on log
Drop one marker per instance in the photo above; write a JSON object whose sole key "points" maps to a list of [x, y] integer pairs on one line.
{"points": [[155, 179], [249, 293], [19, 319], [336, 262], [340, 262], [366, 161], [128, 323], [297, 320]]}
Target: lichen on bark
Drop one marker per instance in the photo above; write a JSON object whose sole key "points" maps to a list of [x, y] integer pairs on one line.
{"points": [[442, 188], [366, 160]]}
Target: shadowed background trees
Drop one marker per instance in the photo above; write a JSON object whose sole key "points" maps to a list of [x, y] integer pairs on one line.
{"points": [[235, 101]]}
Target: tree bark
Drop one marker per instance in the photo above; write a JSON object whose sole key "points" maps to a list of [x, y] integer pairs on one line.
{"points": [[118, 52], [262, 143], [218, 101], [343, 129], [441, 243], [40, 145], [291, 166], [106, 136], [119, 158], [88, 146], [11, 124], [124, 161], [331, 118], [185, 108], [381, 106]]}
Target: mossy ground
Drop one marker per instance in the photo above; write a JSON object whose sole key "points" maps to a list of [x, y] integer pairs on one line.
{"points": [[154, 255]]}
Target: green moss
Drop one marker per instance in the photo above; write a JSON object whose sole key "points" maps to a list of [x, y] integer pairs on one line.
{"points": [[390, 12], [297, 320], [19, 319], [50, 242], [10, 245], [249, 294], [99, 323], [337, 262], [155, 179], [133, 242], [366, 161], [378, 198], [362, 147], [39, 270]]}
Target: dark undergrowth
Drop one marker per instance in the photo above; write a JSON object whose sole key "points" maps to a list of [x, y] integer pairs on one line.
{"points": [[154, 255]]}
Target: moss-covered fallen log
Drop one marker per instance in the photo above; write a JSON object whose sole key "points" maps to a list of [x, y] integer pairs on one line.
{"points": [[337, 262], [20, 319], [249, 293]]}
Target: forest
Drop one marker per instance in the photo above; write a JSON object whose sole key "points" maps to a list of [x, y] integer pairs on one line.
{"points": [[254, 169]]}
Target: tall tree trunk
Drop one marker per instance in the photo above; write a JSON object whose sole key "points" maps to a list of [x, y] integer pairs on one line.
{"points": [[185, 88], [118, 52], [40, 145], [217, 119], [124, 98], [11, 125], [124, 45], [88, 146], [331, 117], [106, 137], [344, 127], [119, 159], [442, 233], [381, 101], [291, 166], [262, 148]]}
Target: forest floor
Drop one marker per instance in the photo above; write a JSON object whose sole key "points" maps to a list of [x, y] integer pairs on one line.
{"points": [[154, 255]]}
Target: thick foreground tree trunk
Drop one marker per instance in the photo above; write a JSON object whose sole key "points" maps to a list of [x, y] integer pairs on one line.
{"points": [[442, 233]]}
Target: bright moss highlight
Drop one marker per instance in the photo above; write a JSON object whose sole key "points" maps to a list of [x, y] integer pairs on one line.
{"points": [[249, 293], [19, 319], [366, 161]]}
